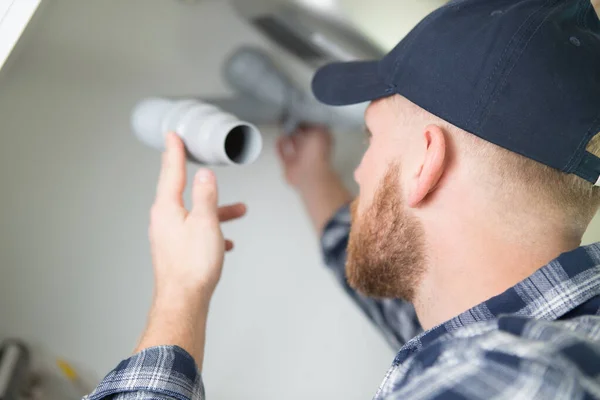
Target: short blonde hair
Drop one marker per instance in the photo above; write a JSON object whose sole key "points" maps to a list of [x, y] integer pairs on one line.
{"points": [[566, 197], [553, 191]]}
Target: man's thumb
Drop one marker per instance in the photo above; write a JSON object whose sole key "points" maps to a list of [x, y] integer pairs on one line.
{"points": [[204, 195]]}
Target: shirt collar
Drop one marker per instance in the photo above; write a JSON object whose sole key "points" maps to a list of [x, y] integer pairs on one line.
{"points": [[552, 291]]}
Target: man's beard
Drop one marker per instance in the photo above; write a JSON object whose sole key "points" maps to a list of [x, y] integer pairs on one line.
{"points": [[386, 249]]}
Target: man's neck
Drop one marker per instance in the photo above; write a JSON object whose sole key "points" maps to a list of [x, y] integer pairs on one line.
{"points": [[469, 263]]}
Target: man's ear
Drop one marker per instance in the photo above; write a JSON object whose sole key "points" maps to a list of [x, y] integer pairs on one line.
{"points": [[432, 165]]}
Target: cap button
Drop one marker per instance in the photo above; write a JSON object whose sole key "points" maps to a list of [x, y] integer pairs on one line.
{"points": [[575, 41]]}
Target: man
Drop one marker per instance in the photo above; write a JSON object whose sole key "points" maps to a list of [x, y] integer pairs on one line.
{"points": [[479, 181]]}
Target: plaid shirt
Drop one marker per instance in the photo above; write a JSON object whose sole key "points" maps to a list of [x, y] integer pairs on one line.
{"points": [[539, 339]]}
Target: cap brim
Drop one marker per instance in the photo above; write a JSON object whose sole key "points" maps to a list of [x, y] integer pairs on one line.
{"points": [[343, 84]]}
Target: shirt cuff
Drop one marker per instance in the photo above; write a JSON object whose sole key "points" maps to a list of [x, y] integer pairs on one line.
{"points": [[165, 370], [334, 238]]}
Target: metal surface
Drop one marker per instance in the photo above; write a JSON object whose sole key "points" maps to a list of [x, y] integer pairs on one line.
{"points": [[311, 34]]}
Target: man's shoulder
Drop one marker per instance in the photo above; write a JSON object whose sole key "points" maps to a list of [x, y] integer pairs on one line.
{"points": [[584, 327], [544, 359], [528, 340]]}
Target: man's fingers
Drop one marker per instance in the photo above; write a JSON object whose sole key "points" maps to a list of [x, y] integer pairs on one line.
{"points": [[281, 148], [229, 245], [171, 182], [234, 211], [286, 149], [205, 196]]}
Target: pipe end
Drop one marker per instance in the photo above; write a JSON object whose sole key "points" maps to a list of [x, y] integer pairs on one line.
{"points": [[243, 144]]}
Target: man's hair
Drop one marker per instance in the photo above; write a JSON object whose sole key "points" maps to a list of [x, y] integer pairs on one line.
{"points": [[514, 179], [557, 194]]}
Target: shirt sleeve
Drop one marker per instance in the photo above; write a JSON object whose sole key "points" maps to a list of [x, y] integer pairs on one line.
{"points": [[396, 319], [158, 373]]}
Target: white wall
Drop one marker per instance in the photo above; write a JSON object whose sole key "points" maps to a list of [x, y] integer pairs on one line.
{"points": [[75, 272]]}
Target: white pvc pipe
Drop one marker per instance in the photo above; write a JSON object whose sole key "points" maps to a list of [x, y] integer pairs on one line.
{"points": [[211, 136]]}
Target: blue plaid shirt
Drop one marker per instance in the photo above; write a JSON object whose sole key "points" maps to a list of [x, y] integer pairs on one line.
{"points": [[538, 340]]}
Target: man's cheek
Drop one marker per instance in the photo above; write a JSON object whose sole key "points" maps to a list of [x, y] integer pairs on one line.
{"points": [[361, 174], [365, 198]]}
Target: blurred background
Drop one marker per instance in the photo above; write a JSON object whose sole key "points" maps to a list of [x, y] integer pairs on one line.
{"points": [[76, 187]]}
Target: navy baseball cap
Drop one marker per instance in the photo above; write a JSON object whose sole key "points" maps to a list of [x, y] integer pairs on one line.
{"points": [[522, 74]]}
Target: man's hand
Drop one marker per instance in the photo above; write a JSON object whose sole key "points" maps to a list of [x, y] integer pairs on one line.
{"points": [[306, 155], [187, 247], [187, 251], [306, 160]]}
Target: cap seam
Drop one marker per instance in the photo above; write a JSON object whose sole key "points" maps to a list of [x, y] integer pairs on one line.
{"points": [[579, 14], [494, 96], [589, 8], [584, 8], [490, 78]]}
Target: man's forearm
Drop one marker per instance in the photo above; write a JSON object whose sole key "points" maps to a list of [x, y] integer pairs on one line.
{"points": [[177, 321], [168, 360], [323, 196]]}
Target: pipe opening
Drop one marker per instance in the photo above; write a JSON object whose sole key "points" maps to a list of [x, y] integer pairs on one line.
{"points": [[243, 144]]}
